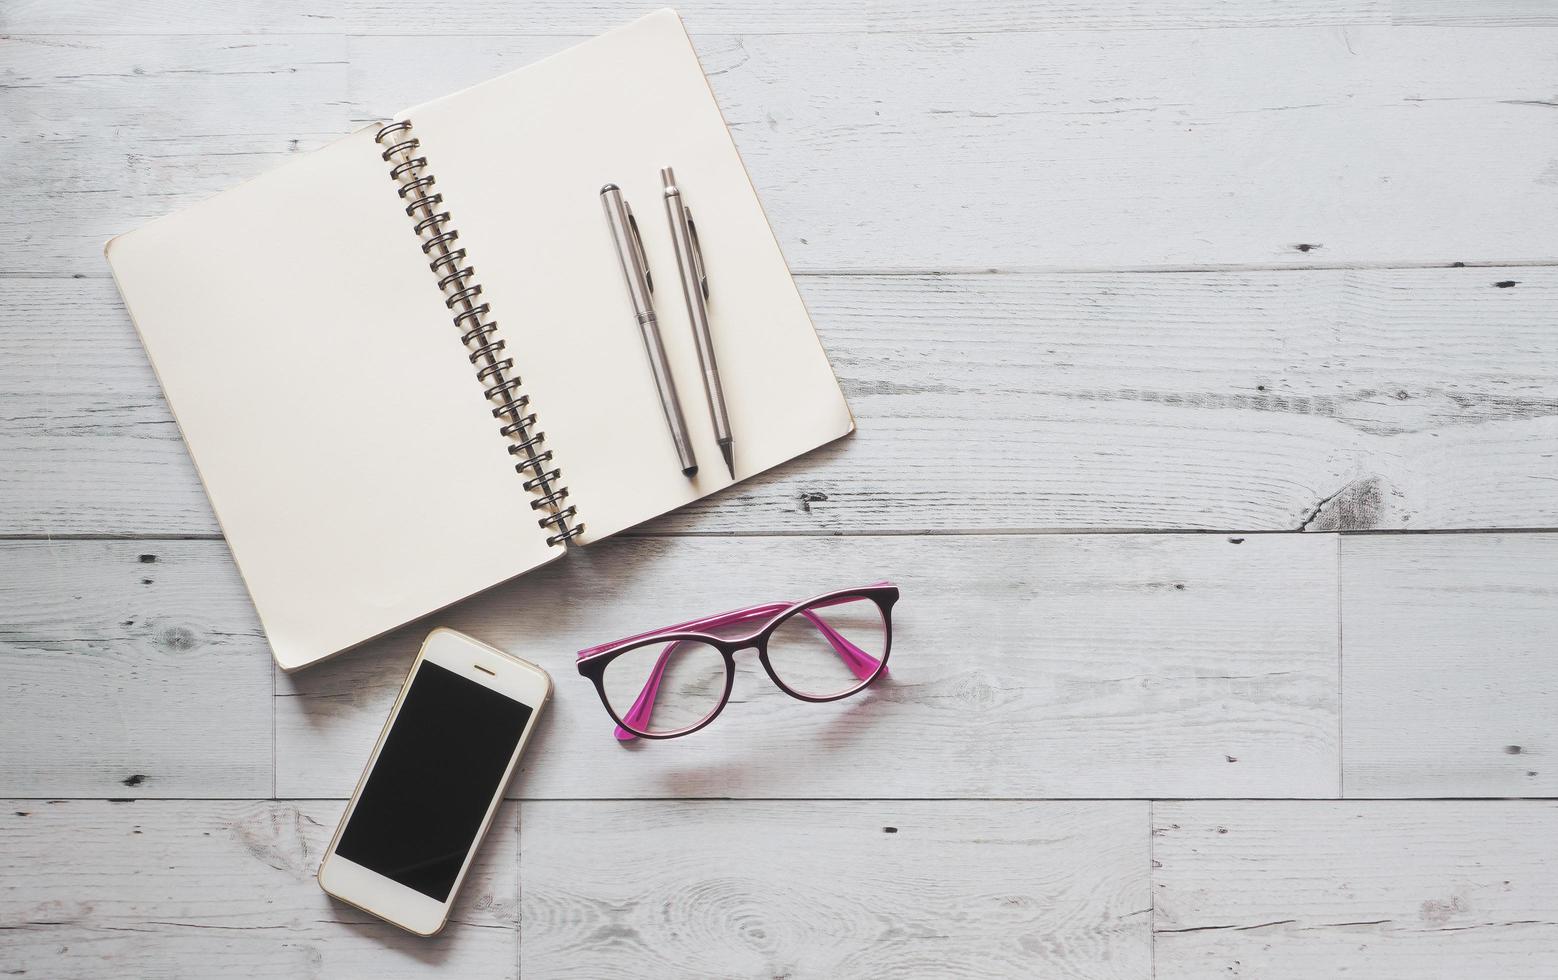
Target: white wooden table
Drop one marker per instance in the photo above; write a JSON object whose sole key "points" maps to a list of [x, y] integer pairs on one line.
{"points": [[1184, 342]]}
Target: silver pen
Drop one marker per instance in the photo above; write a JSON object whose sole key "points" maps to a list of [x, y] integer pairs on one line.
{"points": [[695, 290], [635, 270]]}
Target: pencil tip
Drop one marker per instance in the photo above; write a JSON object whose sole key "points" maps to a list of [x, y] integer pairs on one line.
{"points": [[729, 452]]}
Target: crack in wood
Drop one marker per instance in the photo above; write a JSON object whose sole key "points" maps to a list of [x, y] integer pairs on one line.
{"points": [[1227, 928]]}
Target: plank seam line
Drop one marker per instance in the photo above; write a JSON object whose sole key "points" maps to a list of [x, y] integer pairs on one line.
{"points": [[1058, 270], [519, 887], [275, 738], [1492, 23], [935, 533], [1152, 888], [1271, 800], [1341, 673], [863, 30]]}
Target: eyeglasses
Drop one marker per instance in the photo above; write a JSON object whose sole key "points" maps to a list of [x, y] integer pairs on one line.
{"points": [[673, 681]]}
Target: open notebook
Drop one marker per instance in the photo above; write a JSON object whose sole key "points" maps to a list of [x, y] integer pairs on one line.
{"points": [[362, 473]]}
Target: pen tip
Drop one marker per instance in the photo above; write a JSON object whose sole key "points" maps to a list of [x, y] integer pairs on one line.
{"points": [[690, 471], [728, 451]]}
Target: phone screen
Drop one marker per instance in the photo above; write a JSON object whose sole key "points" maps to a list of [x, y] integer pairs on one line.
{"points": [[433, 781]]}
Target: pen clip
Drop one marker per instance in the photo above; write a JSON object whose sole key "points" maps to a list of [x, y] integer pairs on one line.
{"points": [[638, 247], [697, 254]]}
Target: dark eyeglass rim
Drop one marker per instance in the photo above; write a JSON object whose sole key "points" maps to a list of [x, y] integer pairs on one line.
{"points": [[883, 595]]}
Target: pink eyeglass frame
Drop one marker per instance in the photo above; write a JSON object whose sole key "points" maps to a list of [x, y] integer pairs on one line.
{"points": [[768, 617]]}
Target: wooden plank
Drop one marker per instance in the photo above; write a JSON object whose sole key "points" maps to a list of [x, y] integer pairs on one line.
{"points": [[895, 152], [481, 17], [114, 132], [1322, 400], [89, 444], [130, 669], [1489, 12], [835, 890], [1015, 15], [492, 17], [1061, 150], [192, 888], [1448, 676], [1035, 666], [1385, 890]]}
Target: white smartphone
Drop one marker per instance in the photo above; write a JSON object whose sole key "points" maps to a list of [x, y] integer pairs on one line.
{"points": [[434, 781]]}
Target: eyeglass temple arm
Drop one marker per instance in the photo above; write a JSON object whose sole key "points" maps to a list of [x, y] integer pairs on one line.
{"points": [[707, 622], [717, 620], [860, 663]]}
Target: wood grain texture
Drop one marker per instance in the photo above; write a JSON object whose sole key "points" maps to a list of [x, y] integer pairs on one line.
{"points": [[1454, 12], [893, 152], [1075, 150], [1385, 890], [480, 17], [130, 669], [904, 149], [1321, 400], [201, 889], [1036, 666], [1450, 686], [84, 428], [835, 890], [489, 17], [105, 134], [1009, 15]]}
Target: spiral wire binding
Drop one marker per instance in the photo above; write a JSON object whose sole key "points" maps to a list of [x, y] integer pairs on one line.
{"points": [[456, 280]]}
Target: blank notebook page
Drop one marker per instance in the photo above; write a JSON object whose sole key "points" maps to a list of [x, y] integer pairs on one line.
{"points": [[341, 434], [520, 161]]}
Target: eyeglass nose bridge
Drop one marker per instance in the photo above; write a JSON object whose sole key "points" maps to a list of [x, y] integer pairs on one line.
{"points": [[733, 647], [759, 644]]}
